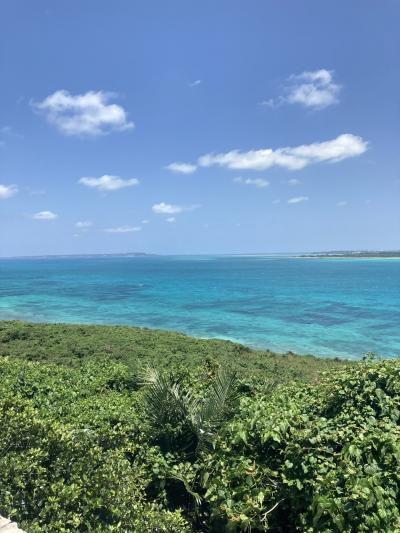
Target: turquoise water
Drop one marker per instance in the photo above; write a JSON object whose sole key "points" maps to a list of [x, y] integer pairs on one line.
{"points": [[330, 307]]}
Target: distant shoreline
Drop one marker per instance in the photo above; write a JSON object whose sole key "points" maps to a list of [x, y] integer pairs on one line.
{"points": [[277, 255], [347, 257]]}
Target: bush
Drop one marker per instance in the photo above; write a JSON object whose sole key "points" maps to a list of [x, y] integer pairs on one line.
{"points": [[85, 447], [88, 474], [323, 458]]}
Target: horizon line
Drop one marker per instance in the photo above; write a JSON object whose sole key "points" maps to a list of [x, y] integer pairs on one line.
{"points": [[153, 254]]}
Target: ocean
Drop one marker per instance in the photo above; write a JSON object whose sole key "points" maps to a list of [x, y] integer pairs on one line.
{"points": [[328, 307]]}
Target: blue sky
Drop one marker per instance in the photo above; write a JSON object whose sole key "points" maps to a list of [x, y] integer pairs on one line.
{"points": [[199, 127]]}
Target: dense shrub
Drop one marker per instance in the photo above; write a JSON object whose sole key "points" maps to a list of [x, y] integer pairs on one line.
{"points": [[323, 458], [88, 445], [87, 474], [70, 345]]}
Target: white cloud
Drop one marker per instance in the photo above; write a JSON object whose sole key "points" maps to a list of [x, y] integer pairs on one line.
{"points": [[271, 102], [85, 224], [291, 158], [194, 83], [181, 168], [276, 201], [45, 215], [162, 208], [170, 219], [342, 203], [123, 229], [315, 89], [298, 199], [87, 114], [169, 209], [145, 221], [6, 191], [108, 183], [257, 182], [294, 181]]}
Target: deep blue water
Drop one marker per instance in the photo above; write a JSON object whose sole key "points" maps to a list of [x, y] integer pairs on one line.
{"points": [[330, 307]]}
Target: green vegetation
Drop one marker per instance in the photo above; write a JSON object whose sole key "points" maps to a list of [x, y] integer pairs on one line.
{"points": [[122, 429], [137, 348]]}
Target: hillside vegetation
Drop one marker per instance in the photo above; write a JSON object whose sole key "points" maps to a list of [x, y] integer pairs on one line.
{"points": [[70, 345], [123, 429]]}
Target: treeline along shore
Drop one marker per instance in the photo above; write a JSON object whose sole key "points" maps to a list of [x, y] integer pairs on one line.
{"points": [[112, 428]]}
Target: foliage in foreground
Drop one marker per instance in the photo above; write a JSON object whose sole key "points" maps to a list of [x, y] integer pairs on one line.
{"points": [[182, 420], [323, 458], [95, 447], [73, 452]]}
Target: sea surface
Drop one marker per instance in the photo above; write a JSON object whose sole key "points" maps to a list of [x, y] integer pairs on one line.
{"points": [[329, 307]]}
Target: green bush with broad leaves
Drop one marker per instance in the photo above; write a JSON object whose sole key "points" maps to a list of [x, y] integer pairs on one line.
{"points": [[173, 442], [322, 458], [74, 454]]}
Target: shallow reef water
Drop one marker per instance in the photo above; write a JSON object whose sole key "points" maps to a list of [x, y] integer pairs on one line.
{"points": [[329, 307]]}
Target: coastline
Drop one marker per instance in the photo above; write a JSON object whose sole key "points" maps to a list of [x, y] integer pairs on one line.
{"points": [[377, 257], [334, 308], [279, 351], [61, 342], [269, 255]]}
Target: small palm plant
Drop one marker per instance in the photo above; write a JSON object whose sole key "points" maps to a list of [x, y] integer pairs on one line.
{"points": [[182, 421]]}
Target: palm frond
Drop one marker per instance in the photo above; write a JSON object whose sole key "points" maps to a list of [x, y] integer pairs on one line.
{"points": [[210, 413], [180, 420], [164, 405]]}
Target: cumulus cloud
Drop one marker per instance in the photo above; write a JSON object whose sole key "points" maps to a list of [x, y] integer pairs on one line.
{"points": [[181, 168], [256, 182], [170, 219], [45, 215], [194, 83], [88, 114], [123, 229], [6, 191], [313, 89], [108, 183], [169, 209], [84, 224], [291, 158], [298, 199], [294, 181]]}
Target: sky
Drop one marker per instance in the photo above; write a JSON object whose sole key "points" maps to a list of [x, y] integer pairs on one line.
{"points": [[186, 127]]}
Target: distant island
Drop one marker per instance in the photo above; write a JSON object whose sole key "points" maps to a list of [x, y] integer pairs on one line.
{"points": [[393, 254], [83, 256]]}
